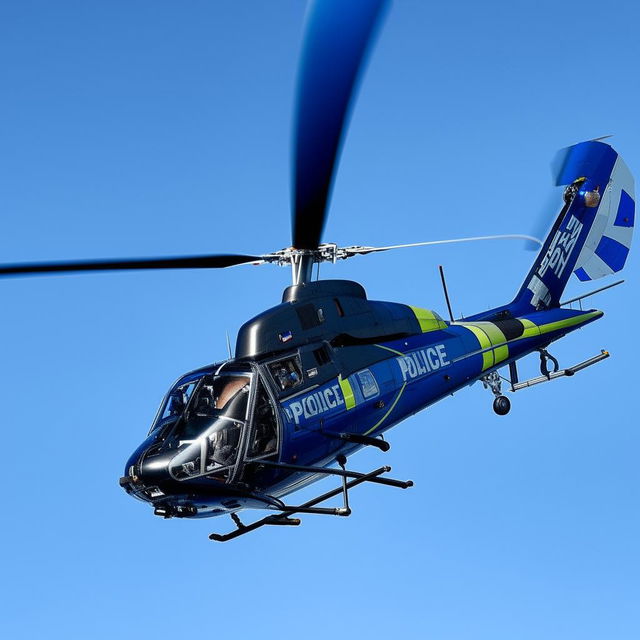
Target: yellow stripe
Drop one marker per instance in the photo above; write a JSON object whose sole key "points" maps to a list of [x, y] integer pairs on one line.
{"points": [[497, 337], [483, 339], [489, 335], [530, 329], [569, 322], [429, 320], [347, 392], [384, 417], [399, 353]]}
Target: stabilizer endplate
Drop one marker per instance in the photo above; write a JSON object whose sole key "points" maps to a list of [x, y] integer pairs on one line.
{"points": [[607, 246]]}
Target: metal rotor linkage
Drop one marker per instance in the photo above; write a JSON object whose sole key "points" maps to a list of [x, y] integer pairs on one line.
{"points": [[328, 252], [302, 260], [302, 267]]}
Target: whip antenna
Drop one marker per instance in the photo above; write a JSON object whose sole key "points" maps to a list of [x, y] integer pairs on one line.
{"points": [[228, 345], [446, 293]]}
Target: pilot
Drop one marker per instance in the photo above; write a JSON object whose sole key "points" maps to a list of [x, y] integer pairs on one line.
{"points": [[176, 404], [204, 401]]}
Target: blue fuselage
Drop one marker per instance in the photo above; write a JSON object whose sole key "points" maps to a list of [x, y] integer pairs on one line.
{"points": [[302, 400], [416, 371]]}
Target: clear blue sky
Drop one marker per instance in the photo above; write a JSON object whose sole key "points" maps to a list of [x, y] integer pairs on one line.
{"points": [[159, 128]]}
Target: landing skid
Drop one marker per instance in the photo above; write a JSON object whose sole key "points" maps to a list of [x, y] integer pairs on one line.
{"points": [[283, 517], [559, 373]]}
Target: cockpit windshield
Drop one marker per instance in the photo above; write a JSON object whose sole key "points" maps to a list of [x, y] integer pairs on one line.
{"points": [[175, 402], [221, 397], [209, 431], [212, 417]]}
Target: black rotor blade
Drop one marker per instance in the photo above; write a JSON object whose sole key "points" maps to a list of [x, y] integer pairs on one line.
{"points": [[337, 39], [180, 262]]}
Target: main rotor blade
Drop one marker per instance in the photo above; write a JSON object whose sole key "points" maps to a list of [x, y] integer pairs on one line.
{"points": [[338, 37], [510, 236], [218, 261]]}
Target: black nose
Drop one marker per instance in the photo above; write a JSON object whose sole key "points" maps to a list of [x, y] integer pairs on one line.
{"points": [[144, 473], [155, 469]]}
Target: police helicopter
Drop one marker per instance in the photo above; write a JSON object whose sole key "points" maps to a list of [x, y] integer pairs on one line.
{"points": [[328, 371]]}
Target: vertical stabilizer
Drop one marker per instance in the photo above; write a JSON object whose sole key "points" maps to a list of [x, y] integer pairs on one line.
{"points": [[592, 234]]}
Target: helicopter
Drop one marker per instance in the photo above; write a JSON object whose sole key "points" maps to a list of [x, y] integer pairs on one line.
{"points": [[328, 371]]}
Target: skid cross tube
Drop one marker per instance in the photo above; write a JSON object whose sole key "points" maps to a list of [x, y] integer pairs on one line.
{"points": [[339, 472], [282, 517]]}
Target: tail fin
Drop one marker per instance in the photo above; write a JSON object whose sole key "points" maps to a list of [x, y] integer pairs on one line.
{"points": [[592, 234]]}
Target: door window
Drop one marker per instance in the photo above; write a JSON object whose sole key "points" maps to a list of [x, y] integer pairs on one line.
{"points": [[264, 434], [286, 373]]}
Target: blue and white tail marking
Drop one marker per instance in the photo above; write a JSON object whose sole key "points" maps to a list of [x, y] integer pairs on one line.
{"points": [[591, 236], [607, 245]]}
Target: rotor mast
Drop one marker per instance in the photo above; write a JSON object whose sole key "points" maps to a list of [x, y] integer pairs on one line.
{"points": [[302, 267]]}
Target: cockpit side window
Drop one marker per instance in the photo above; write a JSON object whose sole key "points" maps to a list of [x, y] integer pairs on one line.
{"points": [[286, 373]]}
